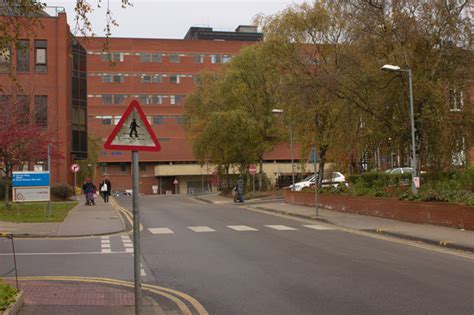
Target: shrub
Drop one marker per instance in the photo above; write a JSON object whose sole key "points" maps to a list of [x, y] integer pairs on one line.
{"points": [[7, 295], [61, 191]]}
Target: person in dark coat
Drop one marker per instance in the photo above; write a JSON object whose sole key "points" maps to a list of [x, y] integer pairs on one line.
{"points": [[88, 189], [105, 189], [240, 190]]}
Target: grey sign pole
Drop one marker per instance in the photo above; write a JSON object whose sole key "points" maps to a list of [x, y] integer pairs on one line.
{"points": [[75, 184], [316, 181], [136, 235], [49, 170]]}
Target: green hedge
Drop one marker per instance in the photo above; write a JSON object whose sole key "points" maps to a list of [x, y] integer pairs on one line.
{"points": [[452, 186], [61, 192]]}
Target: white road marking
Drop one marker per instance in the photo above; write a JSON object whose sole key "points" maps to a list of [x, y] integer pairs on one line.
{"points": [[105, 244], [241, 228], [129, 250], [201, 229], [281, 227], [127, 245], [160, 231], [318, 227]]}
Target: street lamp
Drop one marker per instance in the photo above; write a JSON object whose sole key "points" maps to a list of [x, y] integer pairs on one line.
{"points": [[279, 112], [392, 68]]}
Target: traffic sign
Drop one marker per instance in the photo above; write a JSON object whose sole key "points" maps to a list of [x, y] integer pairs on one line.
{"points": [[133, 132], [30, 179], [175, 181], [75, 168], [253, 169], [313, 156]]}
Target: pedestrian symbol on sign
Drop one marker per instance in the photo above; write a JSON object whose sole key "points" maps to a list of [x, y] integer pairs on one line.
{"points": [[133, 129]]}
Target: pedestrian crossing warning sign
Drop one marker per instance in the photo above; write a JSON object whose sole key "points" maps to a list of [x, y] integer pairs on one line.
{"points": [[133, 132]]}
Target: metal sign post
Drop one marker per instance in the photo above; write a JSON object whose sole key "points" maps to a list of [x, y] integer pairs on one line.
{"points": [[49, 170], [136, 234], [75, 168], [134, 133], [314, 158]]}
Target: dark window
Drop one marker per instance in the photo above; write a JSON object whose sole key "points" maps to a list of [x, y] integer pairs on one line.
{"points": [[5, 59], [198, 58], [150, 57], [175, 99], [107, 99], [123, 167], [146, 78], [158, 120], [115, 57], [142, 167], [118, 79], [107, 78], [215, 59], [103, 167], [180, 120], [113, 98], [173, 58], [23, 105], [174, 79], [41, 110], [23, 56], [106, 120], [41, 56]]}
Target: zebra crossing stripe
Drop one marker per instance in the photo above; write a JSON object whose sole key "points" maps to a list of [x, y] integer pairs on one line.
{"points": [[281, 227], [201, 229], [318, 227], [241, 228], [160, 231]]}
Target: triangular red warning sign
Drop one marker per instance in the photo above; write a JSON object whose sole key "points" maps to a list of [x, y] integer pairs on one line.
{"points": [[133, 132]]}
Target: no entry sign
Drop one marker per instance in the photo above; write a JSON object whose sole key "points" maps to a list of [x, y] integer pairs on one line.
{"points": [[253, 169], [75, 168]]}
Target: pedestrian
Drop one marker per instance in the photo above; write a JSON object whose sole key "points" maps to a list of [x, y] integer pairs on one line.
{"points": [[88, 189], [235, 195], [240, 190], [105, 189]]}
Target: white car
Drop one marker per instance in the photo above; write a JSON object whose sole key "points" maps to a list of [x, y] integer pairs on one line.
{"points": [[333, 180], [399, 170]]}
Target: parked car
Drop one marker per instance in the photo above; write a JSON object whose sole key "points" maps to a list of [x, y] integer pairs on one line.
{"points": [[333, 180], [400, 170]]}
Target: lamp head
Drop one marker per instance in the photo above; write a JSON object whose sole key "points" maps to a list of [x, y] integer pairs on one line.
{"points": [[391, 68]]}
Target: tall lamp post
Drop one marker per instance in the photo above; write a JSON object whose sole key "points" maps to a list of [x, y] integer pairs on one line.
{"points": [[279, 112], [392, 68]]}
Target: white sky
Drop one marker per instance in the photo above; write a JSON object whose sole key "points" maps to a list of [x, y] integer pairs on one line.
{"points": [[172, 19]]}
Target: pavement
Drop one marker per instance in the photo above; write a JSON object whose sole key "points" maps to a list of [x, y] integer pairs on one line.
{"points": [[431, 234], [82, 220]]}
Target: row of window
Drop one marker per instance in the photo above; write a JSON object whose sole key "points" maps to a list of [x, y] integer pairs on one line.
{"points": [[145, 78], [23, 56], [145, 99], [40, 110], [172, 57], [152, 120]]}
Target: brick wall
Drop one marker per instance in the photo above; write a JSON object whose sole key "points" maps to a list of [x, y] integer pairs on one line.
{"points": [[436, 213]]}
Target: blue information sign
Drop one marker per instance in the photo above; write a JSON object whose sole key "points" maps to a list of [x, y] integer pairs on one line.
{"points": [[30, 179]]}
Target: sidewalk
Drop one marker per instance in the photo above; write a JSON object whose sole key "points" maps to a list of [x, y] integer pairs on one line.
{"points": [[81, 221], [67, 297], [432, 234]]}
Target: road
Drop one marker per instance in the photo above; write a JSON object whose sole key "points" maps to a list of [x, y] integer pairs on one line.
{"points": [[237, 261]]}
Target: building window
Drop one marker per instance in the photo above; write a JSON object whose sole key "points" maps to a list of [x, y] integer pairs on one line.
{"points": [[114, 56], [23, 105], [226, 58], [41, 56], [103, 167], [150, 57], [41, 110], [215, 59], [174, 79], [142, 167], [123, 167], [158, 120], [150, 99], [198, 58], [180, 120], [173, 58], [5, 55], [175, 99], [23, 56], [456, 100], [105, 120], [113, 98], [151, 78], [112, 78]]}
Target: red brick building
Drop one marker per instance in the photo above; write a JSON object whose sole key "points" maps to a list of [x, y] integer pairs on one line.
{"points": [[159, 73], [50, 68]]}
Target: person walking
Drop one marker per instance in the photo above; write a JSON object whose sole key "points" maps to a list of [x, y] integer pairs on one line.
{"points": [[240, 190], [88, 189], [105, 189]]}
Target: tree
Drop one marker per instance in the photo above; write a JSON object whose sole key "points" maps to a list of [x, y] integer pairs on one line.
{"points": [[94, 145], [22, 141]]}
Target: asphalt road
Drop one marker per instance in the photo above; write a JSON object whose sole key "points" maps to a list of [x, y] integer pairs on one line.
{"points": [[237, 261], [301, 271]]}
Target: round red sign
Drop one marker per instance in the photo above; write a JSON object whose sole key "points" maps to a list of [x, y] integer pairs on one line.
{"points": [[75, 168], [253, 169]]}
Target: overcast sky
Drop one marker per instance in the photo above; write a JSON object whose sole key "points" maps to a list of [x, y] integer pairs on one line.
{"points": [[172, 19]]}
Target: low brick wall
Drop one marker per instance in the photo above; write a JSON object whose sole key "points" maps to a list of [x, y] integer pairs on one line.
{"points": [[437, 213]]}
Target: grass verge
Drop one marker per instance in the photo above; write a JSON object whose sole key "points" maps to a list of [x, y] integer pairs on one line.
{"points": [[7, 295], [36, 212]]}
